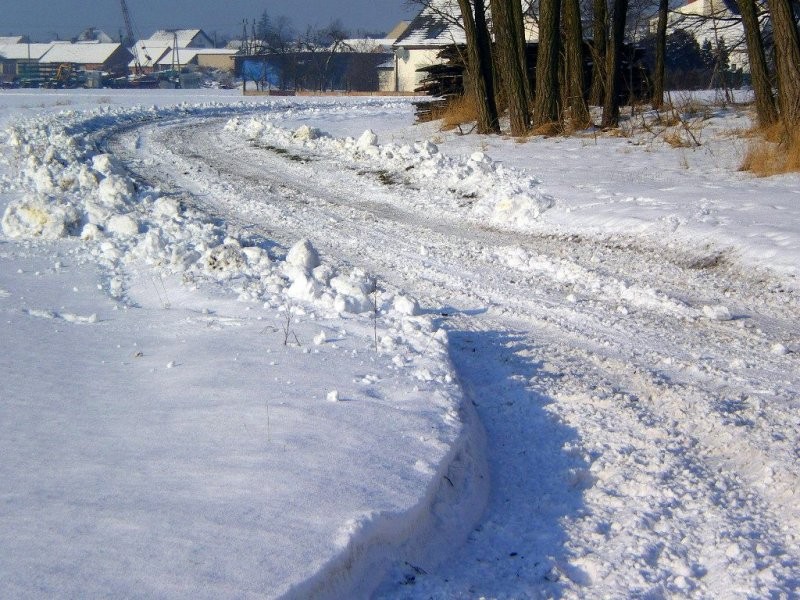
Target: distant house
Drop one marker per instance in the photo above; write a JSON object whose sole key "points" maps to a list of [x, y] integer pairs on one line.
{"points": [[350, 65], [147, 58], [92, 34], [386, 76], [180, 38], [374, 44], [214, 58], [162, 50], [436, 26], [20, 61], [111, 58]]}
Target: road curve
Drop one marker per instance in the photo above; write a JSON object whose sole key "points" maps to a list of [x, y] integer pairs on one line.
{"points": [[637, 444]]}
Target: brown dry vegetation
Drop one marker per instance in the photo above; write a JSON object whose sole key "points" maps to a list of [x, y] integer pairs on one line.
{"points": [[548, 129], [773, 150], [458, 111]]}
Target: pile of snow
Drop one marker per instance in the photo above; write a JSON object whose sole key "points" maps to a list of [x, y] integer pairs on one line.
{"points": [[38, 216], [475, 186], [72, 190]]}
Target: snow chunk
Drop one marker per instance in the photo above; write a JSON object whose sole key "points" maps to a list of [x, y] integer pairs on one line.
{"points": [[42, 180], [717, 313], [39, 217], [306, 132], [367, 140], [103, 164], [86, 179], [167, 208], [225, 259], [303, 288], [426, 148], [14, 140], [480, 158], [303, 256], [122, 226], [515, 209], [405, 305], [256, 257], [114, 191], [779, 349], [253, 129], [353, 292]]}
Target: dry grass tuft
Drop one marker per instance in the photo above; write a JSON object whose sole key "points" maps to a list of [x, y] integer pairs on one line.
{"points": [[676, 139], [774, 150], [548, 129], [457, 112]]}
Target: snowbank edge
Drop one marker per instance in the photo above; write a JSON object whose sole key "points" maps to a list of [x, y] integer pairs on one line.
{"points": [[419, 538]]}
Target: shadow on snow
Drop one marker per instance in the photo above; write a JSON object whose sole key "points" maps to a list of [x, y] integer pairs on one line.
{"points": [[520, 546]]}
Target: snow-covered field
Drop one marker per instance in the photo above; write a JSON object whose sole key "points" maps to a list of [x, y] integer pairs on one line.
{"points": [[306, 348]]}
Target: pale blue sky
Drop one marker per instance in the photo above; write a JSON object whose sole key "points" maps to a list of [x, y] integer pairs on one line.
{"points": [[43, 19]]}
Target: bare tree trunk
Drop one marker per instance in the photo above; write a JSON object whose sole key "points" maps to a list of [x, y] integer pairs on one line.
{"points": [[759, 76], [512, 74], [659, 75], [614, 75], [479, 66], [573, 59], [599, 43], [519, 22], [787, 59], [545, 100]]}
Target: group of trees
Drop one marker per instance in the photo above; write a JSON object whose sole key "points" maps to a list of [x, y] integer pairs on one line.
{"points": [[496, 59], [784, 42], [500, 69]]}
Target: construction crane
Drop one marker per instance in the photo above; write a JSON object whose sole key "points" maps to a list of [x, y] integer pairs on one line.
{"points": [[126, 15]]}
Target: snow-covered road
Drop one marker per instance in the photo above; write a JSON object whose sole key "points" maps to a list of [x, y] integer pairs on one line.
{"points": [[640, 400]]}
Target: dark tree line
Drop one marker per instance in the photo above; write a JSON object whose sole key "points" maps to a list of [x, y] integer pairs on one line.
{"points": [[560, 94], [497, 65]]}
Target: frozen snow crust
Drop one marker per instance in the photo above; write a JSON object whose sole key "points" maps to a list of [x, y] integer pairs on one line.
{"points": [[69, 188]]}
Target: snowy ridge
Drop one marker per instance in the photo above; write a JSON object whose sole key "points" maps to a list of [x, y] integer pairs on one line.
{"points": [[475, 187], [68, 188]]}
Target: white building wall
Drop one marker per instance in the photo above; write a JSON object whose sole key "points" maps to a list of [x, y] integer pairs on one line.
{"points": [[386, 80], [408, 61]]}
